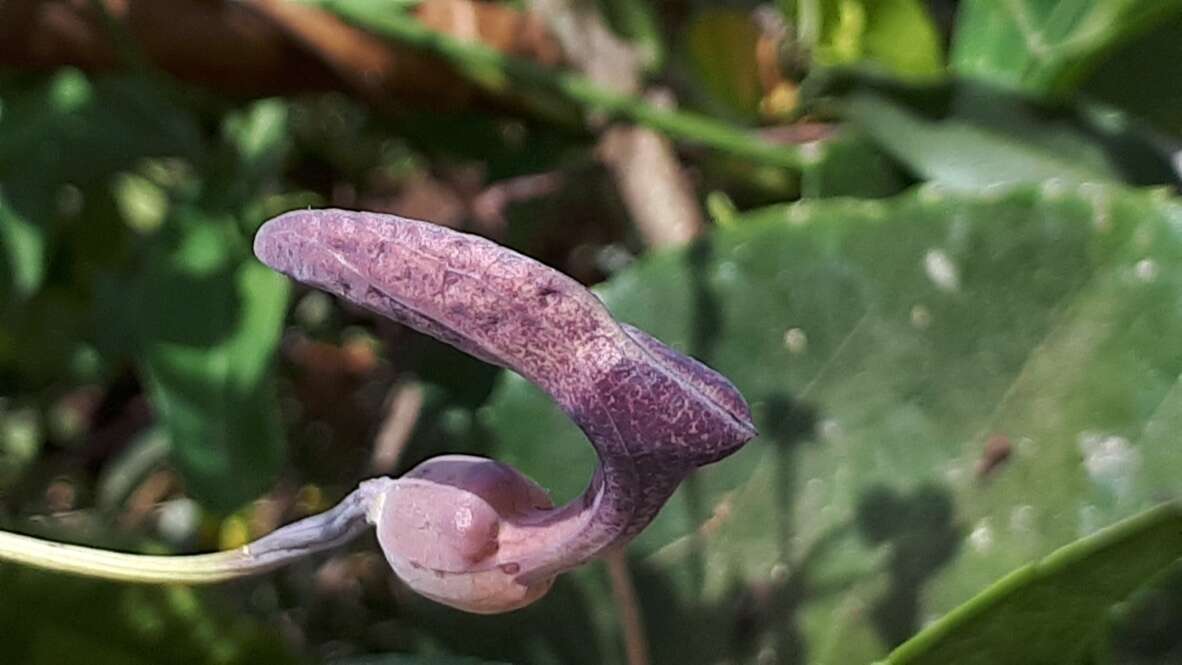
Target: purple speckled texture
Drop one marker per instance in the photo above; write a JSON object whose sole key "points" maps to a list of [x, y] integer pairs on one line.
{"points": [[653, 414]]}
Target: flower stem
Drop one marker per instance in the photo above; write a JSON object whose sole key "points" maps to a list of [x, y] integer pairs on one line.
{"points": [[317, 533]]}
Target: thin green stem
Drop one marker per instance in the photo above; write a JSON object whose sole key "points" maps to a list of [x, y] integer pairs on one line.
{"points": [[495, 71], [123, 567], [317, 533]]}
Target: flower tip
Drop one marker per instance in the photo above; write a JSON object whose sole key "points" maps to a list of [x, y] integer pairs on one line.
{"points": [[272, 244]]}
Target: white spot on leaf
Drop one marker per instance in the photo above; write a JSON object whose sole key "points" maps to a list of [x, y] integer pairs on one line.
{"points": [[1110, 460], [795, 340], [728, 271], [981, 537], [798, 214], [1145, 270], [941, 270], [778, 573], [830, 430]]}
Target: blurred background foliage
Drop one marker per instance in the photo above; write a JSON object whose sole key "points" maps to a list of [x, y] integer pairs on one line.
{"points": [[936, 244]]}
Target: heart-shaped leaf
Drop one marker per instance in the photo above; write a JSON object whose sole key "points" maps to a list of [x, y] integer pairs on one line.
{"points": [[949, 387]]}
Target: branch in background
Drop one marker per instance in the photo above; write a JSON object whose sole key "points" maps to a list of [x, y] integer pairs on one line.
{"points": [[488, 207], [264, 47], [655, 190], [628, 605], [381, 72], [653, 185], [503, 74], [590, 45], [403, 406]]}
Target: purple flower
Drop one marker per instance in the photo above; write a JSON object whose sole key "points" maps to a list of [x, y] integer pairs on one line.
{"points": [[475, 533]]}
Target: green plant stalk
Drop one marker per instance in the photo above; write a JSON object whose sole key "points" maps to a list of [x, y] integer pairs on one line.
{"points": [[317, 533], [495, 71], [124, 567]]}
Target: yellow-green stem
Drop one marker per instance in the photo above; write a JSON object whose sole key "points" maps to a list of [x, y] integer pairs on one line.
{"points": [[317, 533], [123, 567]]}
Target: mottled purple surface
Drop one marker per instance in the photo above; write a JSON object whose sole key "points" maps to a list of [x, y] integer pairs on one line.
{"points": [[652, 413]]}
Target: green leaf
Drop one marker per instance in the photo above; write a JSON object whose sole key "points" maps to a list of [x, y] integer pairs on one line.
{"points": [[882, 346], [259, 135], [209, 322], [1145, 628], [408, 659], [897, 36], [22, 254], [1046, 47], [849, 164], [1073, 587], [21, 439], [50, 619], [63, 139], [63, 133], [720, 48], [76, 130], [1141, 77], [967, 135]]}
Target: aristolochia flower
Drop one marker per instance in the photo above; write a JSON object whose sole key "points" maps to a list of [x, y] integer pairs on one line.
{"points": [[472, 532]]}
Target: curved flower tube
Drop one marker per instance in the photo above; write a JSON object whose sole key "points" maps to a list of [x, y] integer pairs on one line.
{"points": [[466, 531], [652, 414]]}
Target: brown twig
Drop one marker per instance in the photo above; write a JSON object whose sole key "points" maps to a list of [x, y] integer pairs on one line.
{"points": [[625, 600], [402, 413], [489, 206], [658, 194], [655, 189]]}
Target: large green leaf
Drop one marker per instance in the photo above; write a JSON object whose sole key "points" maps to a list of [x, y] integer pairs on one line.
{"points": [[1046, 46], [111, 188], [1141, 77], [968, 135], [1073, 587], [849, 164], [885, 348], [208, 322], [62, 139], [50, 619], [202, 321], [1145, 629], [407, 659]]}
